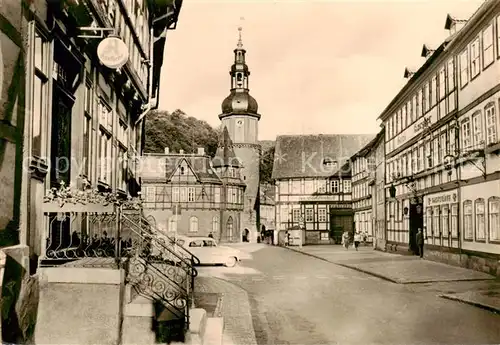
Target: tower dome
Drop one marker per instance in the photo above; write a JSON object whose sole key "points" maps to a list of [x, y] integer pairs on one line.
{"points": [[239, 102]]}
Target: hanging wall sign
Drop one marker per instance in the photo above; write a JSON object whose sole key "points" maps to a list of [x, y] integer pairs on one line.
{"points": [[113, 52]]}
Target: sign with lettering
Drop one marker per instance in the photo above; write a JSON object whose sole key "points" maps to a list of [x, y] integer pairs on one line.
{"points": [[113, 52], [443, 198], [413, 130]]}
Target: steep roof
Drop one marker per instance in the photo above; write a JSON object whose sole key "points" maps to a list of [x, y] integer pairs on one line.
{"points": [[368, 147], [200, 164], [225, 155], [305, 155]]}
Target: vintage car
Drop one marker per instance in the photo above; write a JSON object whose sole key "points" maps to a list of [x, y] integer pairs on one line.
{"points": [[208, 251]]}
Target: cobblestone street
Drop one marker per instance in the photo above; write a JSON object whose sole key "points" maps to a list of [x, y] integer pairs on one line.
{"points": [[299, 299]]}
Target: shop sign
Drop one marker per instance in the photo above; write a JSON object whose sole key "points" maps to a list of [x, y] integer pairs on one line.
{"points": [[412, 131], [113, 52], [441, 198]]}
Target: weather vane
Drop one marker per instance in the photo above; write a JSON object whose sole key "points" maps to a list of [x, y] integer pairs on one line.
{"points": [[240, 28]]}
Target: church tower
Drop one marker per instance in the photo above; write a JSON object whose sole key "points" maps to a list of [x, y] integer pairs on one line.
{"points": [[240, 117]]}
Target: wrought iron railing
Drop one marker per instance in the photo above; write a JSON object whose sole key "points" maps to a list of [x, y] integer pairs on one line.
{"points": [[156, 265]]}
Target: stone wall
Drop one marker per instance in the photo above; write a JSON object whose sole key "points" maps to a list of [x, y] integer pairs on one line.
{"points": [[470, 260]]}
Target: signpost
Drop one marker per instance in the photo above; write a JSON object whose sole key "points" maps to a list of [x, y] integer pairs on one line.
{"points": [[113, 52]]}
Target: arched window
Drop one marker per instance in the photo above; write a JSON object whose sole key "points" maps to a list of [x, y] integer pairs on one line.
{"points": [[215, 224], [172, 224], [494, 218], [468, 225], [479, 218], [229, 229], [239, 76], [193, 224]]}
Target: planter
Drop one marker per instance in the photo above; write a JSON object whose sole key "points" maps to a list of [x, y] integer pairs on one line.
{"points": [[52, 207]]}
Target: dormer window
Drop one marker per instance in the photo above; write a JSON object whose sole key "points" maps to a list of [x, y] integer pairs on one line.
{"points": [[330, 163]]}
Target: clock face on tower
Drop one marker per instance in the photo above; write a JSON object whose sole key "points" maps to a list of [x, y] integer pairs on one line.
{"points": [[239, 123]]}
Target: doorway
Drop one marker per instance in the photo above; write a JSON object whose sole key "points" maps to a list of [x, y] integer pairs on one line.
{"points": [[340, 221], [416, 222]]}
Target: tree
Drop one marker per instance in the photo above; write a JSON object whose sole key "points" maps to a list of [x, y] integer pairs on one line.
{"points": [[177, 131]]}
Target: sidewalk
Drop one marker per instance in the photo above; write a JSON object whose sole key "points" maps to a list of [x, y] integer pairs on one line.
{"points": [[402, 269], [233, 305]]}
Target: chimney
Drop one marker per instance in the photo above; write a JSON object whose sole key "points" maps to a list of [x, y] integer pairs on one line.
{"points": [[181, 152], [201, 151], [166, 150]]}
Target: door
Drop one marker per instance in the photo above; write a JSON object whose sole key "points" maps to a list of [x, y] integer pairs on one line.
{"points": [[340, 221], [416, 222]]}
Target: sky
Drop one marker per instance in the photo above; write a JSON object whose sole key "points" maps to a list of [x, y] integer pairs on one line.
{"points": [[316, 67]]}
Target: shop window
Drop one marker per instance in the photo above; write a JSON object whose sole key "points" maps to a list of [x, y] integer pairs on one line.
{"points": [[454, 221], [491, 124], [445, 221], [435, 224], [479, 220], [468, 225], [494, 218], [193, 224]]}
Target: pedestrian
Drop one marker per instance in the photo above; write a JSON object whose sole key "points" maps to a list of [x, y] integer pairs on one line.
{"points": [[420, 242], [357, 240], [210, 235], [345, 240]]}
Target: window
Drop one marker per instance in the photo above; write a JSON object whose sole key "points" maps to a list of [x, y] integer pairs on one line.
{"points": [[105, 115], [172, 224], [498, 36], [420, 165], [183, 194], [122, 169], [321, 186], [87, 131], [309, 215], [404, 117], [452, 141], [477, 132], [444, 221], [409, 106], [491, 124], [40, 57], [418, 105], [454, 221], [296, 215], [433, 92], [335, 186], [425, 99], [442, 145], [468, 225], [474, 58], [450, 75], [217, 195], [324, 236], [494, 218], [322, 215], [479, 217], [464, 68], [215, 224], [435, 226], [191, 194], [347, 186], [466, 134], [193, 224], [175, 194], [229, 228], [105, 157], [442, 83], [488, 53]]}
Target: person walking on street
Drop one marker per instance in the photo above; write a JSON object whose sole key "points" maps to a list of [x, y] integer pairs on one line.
{"points": [[420, 242], [345, 240], [357, 240]]}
